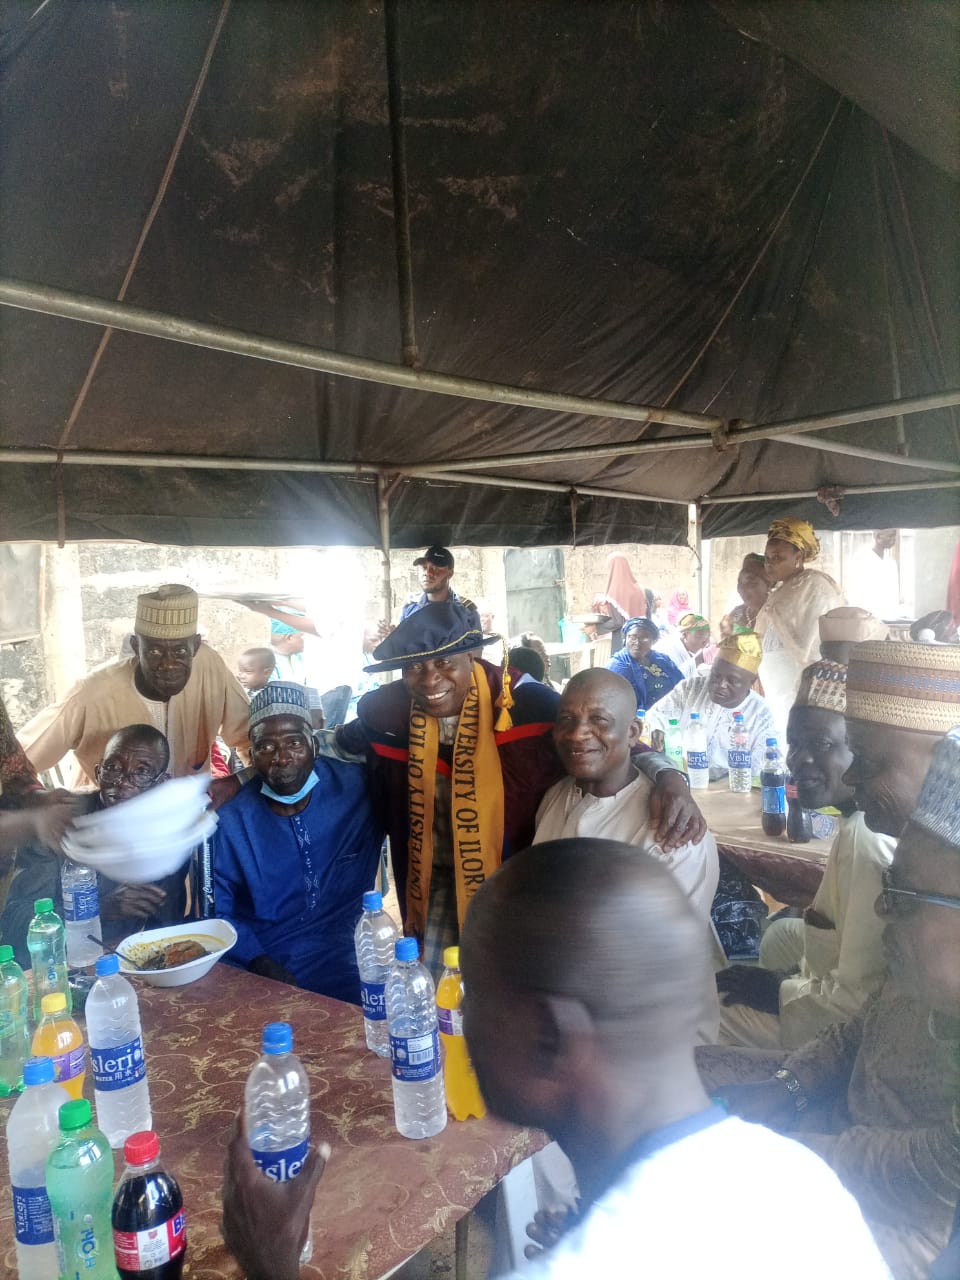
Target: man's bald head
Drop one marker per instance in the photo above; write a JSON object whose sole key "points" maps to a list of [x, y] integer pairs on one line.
{"points": [[596, 729], [598, 922]]}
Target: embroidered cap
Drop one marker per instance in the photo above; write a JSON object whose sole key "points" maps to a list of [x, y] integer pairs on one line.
{"points": [[169, 613], [823, 684], [743, 649], [435, 631], [905, 685], [938, 808], [279, 698], [851, 624], [442, 557]]}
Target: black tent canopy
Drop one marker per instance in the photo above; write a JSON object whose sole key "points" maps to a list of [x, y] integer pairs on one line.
{"points": [[699, 215]]}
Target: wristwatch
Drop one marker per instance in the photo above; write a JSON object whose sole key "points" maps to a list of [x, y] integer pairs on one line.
{"points": [[793, 1087]]}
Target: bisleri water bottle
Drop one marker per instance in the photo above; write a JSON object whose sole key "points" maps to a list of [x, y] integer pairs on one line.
{"points": [[33, 1130], [374, 939], [419, 1103]]}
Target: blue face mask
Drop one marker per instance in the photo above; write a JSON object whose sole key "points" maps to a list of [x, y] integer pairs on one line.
{"points": [[268, 791]]}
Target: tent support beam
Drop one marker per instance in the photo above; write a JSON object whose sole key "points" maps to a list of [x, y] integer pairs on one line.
{"points": [[874, 455], [384, 489], [842, 493], [401, 190], [157, 324]]}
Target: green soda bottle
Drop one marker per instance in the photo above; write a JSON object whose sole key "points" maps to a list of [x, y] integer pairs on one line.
{"points": [[80, 1190]]}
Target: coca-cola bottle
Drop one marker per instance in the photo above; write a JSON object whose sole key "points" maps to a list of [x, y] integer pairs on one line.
{"points": [[149, 1225]]}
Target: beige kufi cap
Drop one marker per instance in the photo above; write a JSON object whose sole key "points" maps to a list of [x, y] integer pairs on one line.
{"points": [[852, 624], [905, 685], [169, 613]]}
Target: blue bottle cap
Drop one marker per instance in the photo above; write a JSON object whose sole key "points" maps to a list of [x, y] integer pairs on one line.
{"points": [[107, 964], [277, 1038], [38, 1071], [406, 949], [694, 715], [373, 900], [771, 742]]}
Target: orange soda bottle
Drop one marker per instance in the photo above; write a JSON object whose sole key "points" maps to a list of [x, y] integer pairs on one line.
{"points": [[459, 1078], [58, 1037]]}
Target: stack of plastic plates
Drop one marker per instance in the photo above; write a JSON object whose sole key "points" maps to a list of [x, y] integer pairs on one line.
{"points": [[146, 838]]}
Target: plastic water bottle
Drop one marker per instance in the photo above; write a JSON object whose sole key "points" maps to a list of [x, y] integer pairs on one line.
{"points": [[80, 1187], [277, 1105], [460, 1084], [33, 1130], [149, 1225], [120, 1085], [14, 1023], [739, 757], [81, 913], [799, 821], [374, 939], [419, 1102], [673, 745], [46, 943], [58, 1037], [698, 763], [773, 791]]}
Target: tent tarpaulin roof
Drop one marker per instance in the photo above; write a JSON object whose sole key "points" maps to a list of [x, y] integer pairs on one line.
{"points": [[626, 201]]}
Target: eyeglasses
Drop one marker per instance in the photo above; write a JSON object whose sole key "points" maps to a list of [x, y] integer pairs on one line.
{"points": [[892, 897], [140, 776]]}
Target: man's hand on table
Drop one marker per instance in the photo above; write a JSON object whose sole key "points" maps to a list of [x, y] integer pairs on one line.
{"points": [[265, 967], [265, 1223], [751, 985], [674, 815]]}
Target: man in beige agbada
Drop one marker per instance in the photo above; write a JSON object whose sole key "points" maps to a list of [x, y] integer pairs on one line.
{"points": [[173, 682]]}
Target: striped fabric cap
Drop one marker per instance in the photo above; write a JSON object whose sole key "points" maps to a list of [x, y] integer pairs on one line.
{"points": [[905, 685], [169, 613], [824, 685], [279, 698], [938, 808]]}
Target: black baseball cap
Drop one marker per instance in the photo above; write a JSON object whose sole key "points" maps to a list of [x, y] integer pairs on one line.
{"points": [[442, 557]]}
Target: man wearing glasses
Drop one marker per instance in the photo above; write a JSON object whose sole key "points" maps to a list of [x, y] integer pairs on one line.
{"points": [[135, 760]]}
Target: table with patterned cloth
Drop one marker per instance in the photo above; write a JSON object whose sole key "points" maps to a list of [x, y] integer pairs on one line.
{"points": [[382, 1197], [789, 872]]}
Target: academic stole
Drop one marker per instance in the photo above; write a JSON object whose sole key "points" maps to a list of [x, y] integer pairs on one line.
{"points": [[476, 802]]}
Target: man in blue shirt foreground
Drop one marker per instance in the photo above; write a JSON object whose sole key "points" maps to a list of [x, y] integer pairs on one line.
{"points": [[584, 971], [294, 852]]}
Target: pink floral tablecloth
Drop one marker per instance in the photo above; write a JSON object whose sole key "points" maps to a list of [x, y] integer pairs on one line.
{"points": [[381, 1198]]}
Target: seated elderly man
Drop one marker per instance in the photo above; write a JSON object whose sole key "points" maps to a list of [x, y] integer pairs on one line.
{"points": [[877, 1096], [135, 760], [459, 761], [294, 852], [173, 682], [565, 1038], [606, 796], [836, 946], [715, 696]]}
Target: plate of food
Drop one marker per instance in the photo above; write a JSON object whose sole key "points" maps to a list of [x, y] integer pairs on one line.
{"points": [[177, 954]]}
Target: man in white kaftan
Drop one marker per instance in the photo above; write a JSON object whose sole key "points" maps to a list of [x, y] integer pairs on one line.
{"points": [[174, 682], [607, 798], [716, 696]]}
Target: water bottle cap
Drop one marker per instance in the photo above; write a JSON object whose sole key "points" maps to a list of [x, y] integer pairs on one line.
{"points": [[107, 964], [38, 1071], [43, 905], [673, 722], [6, 954], [771, 742], [406, 949], [694, 715], [75, 1114], [451, 957], [141, 1148], [277, 1038], [55, 1002], [373, 900], [738, 715]]}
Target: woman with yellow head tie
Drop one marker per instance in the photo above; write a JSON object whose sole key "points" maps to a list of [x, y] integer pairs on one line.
{"points": [[788, 622]]}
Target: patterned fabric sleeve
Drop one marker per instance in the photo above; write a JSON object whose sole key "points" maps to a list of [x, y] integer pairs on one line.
{"points": [[17, 774], [825, 1064]]}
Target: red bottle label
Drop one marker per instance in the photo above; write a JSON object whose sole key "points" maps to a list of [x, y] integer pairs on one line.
{"points": [[140, 1250]]}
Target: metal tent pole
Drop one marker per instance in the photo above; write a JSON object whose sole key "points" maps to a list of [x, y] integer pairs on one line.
{"points": [[842, 493]]}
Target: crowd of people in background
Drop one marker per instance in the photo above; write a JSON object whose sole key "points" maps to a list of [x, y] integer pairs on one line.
{"points": [[597, 932]]}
